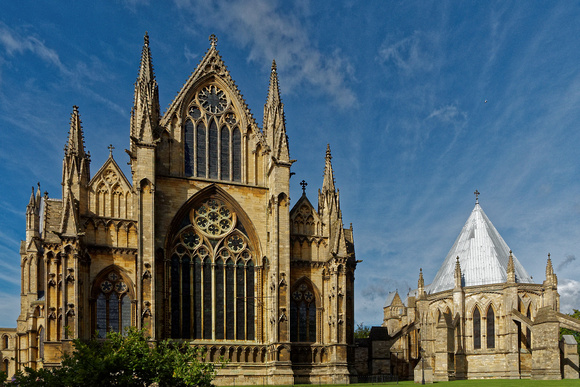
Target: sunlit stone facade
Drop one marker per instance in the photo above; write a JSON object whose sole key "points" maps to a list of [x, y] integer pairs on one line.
{"points": [[200, 243]]}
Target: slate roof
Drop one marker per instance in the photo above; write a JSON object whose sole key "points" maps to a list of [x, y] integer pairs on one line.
{"points": [[483, 256]]}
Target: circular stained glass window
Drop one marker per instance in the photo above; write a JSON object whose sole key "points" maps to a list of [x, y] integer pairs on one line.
{"points": [[213, 218], [212, 99], [106, 286]]}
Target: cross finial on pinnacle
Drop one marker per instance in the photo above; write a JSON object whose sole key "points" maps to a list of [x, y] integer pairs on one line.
{"points": [[476, 193], [303, 183], [213, 40], [110, 148]]}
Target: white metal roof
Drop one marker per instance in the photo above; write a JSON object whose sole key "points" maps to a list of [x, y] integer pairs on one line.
{"points": [[483, 256]]}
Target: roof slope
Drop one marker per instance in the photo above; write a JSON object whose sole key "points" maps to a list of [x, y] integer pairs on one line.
{"points": [[483, 256]]}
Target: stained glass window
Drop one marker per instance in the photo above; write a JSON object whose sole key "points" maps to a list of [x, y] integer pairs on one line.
{"points": [[303, 313], [188, 150], [113, 308], [200, 146], [222, 158], [219, 299], [237, 155], [213, 150], [476, 329], [225, 153], [490, 328], [214, 299]]}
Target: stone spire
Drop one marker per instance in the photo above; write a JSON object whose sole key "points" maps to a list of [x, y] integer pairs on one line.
{"points": [[33, 215], [328, 182], [421, 285], [511, 270], [275, 121], [76, 163], [145, 111], [75, 176], [551, 278], [457, 274]]}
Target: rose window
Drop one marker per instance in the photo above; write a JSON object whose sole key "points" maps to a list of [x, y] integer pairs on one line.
{"points": [[213, 218]]}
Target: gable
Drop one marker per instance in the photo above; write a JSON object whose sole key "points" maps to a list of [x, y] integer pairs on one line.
{"points": [[110, 193]]}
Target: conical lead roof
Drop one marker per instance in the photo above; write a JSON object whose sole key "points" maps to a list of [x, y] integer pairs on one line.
{"points": [[483, 256]]}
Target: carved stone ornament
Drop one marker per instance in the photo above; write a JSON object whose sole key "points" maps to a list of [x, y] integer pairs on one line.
{"points": [[283, 280]]}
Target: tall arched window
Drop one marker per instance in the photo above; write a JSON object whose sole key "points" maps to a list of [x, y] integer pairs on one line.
{"points": [[5, 342], [303, 313], [225, 153], [112, 306], [490, 328], [188, 153], [219, 287], [476, 328], [218, 153]]}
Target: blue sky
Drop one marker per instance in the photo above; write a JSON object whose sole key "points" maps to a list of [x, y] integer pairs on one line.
{"points": [[422, 102]]}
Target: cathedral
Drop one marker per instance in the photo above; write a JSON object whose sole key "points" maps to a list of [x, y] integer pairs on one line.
{"points": [[481, 317], [199, 243]]}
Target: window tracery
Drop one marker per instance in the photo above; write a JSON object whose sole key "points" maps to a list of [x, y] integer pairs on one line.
{"points": [[212, 138], [113, 306], [303, 313], [212, 276]]}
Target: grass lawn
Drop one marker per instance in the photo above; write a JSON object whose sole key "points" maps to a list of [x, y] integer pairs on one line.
{"points": [[471, 383]]}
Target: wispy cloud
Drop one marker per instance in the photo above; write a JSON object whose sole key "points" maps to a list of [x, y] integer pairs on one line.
{"points": [[409, 55], [15, 43], [569, 295], [271, 33]]}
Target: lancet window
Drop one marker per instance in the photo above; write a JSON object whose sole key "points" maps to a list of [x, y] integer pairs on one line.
{"points": [[113, 307], [490, 328], [303, 313], [476, 329], [212, 276], [212, 138]]}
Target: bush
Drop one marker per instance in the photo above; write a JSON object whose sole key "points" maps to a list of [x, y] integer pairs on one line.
{"points": [[128, 359]]}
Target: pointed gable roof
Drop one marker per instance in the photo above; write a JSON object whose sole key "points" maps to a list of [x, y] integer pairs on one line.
{"points": [[483, 257], [212, 64]]}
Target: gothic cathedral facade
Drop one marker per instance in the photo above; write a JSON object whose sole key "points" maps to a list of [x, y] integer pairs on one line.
{"points": [[198, 244]]}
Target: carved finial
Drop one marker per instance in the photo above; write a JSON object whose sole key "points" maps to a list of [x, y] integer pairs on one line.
{"points": [[303, 183], [213, 40], [110, 148], [273, 65], [146, 38], [476, 193]]}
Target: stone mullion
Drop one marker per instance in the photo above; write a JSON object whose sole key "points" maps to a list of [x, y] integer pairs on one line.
{"points": [[259, 305], [213, 297]]}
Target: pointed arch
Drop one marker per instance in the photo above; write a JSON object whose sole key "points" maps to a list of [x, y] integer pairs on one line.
{"points": [[212, 249], [112, 306], [304, 303], [476, 328], [490, 327]]}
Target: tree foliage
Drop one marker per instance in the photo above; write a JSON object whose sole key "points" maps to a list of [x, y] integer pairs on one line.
{"points": [[566, 331], [128, 359], [362, 331]]}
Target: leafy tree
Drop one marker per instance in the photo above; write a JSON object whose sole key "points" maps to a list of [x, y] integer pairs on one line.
{"points": [[125, 360], [566, 331], [362, 331]]}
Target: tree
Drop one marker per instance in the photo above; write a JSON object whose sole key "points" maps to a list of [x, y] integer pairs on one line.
{"points": [[128, 359], [362, 331], [566, 331]]}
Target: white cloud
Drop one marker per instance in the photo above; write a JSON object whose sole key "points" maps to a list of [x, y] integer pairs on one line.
{"points": [[569, 290], [15, 43], [273, 34]]}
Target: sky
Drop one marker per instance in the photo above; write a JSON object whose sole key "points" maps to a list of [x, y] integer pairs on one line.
{"points": [[422, 103]]}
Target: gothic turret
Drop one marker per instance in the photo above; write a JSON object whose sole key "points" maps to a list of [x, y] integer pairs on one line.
{"points": [[329, 209], [75, 175], [33, 215], [145, 111], [511, 271], [457, 274], [274, 120]]}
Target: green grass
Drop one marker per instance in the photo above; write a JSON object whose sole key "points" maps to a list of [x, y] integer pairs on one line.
{"points": [[470, 383]]}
